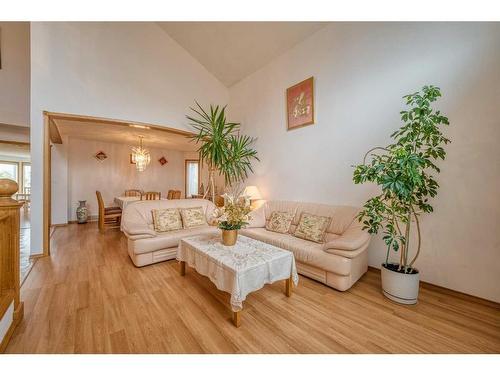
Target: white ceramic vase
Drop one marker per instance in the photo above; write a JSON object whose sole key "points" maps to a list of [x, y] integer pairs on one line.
{"points": [[82, 212], [400, 287]]}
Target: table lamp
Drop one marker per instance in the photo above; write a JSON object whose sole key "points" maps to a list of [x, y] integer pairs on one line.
{"points": [[253, 193]]}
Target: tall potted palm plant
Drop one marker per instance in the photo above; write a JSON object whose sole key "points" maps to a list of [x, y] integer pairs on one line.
{"points": [[221, 146], [404, 171]]}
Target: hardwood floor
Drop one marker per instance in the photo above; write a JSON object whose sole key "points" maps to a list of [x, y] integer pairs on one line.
{"points": [[89, 298]]}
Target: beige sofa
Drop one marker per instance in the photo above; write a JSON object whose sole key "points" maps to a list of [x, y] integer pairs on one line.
{"points": [[339, 262], [145, 246]]}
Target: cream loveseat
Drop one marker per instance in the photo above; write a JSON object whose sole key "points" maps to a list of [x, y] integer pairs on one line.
{"points": [[145, 246], [339, 262]]}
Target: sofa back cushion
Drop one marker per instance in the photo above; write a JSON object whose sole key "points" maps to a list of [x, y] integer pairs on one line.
{"points": [[342, 216], [166, 219], [193, 217], [312, 227], [140, 212], [280, 221]]}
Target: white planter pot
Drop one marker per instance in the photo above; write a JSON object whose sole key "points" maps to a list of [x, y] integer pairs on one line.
{"points": [[400, 287]]}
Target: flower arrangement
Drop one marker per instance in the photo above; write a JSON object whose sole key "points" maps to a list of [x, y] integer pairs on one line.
{"points": [[235, 213]]}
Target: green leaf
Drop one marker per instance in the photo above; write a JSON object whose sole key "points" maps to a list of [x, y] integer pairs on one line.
{"points": [[220, 144]]}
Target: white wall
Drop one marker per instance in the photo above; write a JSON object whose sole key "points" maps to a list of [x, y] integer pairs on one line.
{"points": [[76, 175], [59, 183], [361, 72], [15, 73], [115, 174], [128, 71]]}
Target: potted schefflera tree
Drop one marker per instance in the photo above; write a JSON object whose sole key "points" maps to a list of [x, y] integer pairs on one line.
{"points": [[404, 171]]}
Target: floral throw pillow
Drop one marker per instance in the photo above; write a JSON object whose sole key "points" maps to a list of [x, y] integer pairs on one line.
{"points": [[167, 219], [193, 217], [312, 227], [280, 221]]}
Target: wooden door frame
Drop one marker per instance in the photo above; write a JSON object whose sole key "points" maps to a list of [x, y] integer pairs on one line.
{"points": [[186, 161], [51, 134], [47, 182]]}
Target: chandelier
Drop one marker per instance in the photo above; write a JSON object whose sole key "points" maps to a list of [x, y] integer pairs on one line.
{"points": [[140, 156]]}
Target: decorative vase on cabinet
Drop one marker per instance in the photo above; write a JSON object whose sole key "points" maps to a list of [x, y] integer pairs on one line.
{"points": [[82, 212]]}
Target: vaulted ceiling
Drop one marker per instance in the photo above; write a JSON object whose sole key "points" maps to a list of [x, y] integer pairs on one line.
{"points": [[233, 50]]}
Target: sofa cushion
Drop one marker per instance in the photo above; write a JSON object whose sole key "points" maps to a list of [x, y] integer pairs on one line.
{"points": [[193, 217], [280, 222], [140, 212], [257, 218], [312, 227], [166, 240], [304, 251], [342, 216], [166, 219]]}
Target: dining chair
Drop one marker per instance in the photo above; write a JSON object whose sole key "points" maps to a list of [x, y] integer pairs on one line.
{"points": [[170, 194], [109, 217], [176, 194], [133, 193], [151, 196]]}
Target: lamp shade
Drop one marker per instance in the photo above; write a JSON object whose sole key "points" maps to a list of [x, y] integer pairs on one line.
{"points": [[252, 192]]}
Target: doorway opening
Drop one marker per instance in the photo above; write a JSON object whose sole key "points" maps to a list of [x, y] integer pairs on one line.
{"points": [[15, 164], [77, 142]]}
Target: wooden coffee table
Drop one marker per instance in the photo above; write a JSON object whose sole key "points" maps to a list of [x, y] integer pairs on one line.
{"points": [[240, 269]]}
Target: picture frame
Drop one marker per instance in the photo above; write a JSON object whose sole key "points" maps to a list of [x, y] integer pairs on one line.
{"points": [[300, 104], [100, 156]]}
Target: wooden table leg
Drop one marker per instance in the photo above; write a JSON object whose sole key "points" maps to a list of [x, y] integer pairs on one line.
{"points": [[182, 268], [288, 286], [236, 318]]}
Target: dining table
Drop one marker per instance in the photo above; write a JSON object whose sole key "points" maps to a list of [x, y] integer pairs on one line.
{"points": [[123, 202]]}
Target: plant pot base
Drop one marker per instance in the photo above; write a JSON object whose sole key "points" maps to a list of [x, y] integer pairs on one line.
{"points": [[399, 300], [400, 287]]}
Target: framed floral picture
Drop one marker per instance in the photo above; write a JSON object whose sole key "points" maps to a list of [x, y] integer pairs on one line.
{"points": [[300, 104]]}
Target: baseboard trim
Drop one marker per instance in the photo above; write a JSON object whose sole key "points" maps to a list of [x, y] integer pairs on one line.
{"points": [[91, 220], [481, 300], [16, 319], [37, 256]]}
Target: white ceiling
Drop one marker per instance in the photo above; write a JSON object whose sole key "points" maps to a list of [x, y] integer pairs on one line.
{"points": [[233, 50], [124, 134]]}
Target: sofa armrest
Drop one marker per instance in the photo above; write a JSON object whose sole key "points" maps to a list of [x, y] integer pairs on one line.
{"points": [[136, 229], [352, 239]]}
